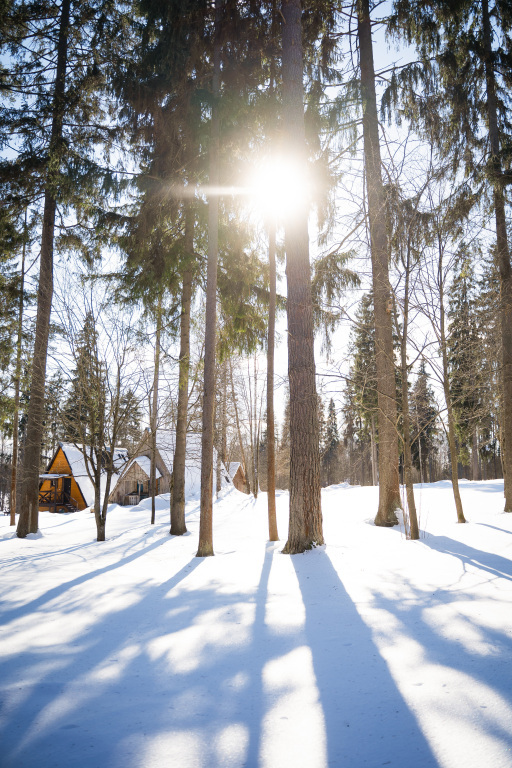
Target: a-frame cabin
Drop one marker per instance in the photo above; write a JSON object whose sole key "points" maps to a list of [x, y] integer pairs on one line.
{"points": [[66, 486]]}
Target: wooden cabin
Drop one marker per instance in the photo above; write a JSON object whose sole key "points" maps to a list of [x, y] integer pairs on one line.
{"points": [[134, 482], [237, 475], [66, 486]]}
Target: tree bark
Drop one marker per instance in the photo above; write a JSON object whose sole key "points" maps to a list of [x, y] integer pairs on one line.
{"points": [[375, 458], [154, 406], [474, 456], [17, 379], [502, 256], [29, 509], [271, 435], [413, 532], [205, 548], [447, 396], [305, 526], [389, 488], [178, 525], [239, 431]]}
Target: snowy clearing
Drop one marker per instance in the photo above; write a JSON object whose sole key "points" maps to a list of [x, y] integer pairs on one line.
{"points": [[372, 651]]}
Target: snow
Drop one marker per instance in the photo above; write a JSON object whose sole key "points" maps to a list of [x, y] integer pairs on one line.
{"points": [[370, 651], [165, 442]]}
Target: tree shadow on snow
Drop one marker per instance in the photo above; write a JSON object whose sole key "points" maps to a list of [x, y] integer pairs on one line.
{"points": [[367, 721], [173, 678]]}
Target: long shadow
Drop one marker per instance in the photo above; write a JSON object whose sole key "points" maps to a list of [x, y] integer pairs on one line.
{"points": [[495, 565], [124, 695], [495, 528], [367, 721], [261, 641], [487, 673], [63, 587]]}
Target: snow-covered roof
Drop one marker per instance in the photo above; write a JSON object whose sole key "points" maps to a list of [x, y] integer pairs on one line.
{"points": [[76, 461], [233, 468], [165, 442], [145, 464]]}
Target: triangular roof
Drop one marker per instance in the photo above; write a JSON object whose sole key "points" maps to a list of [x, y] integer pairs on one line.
{"points": [[75, 458], [144, 463], [165, 442]]}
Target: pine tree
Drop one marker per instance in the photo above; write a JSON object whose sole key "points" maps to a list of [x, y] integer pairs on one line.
{"points": [[331, 444], [389, 492], [305, 526], [423, 422], [465, 360], [55, 75], [465, 55]]}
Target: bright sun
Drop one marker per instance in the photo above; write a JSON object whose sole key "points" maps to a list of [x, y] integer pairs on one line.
{"points": [[279, 186]]}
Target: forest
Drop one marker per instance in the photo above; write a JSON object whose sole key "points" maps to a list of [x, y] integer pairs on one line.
{"points": [[193, 189]]}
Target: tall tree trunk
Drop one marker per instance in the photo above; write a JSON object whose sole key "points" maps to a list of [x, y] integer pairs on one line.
{"points": [[205, 548], [389, 487], [154, 406], [409, 488], [447, 395], [373, 436], [254, 433], [305, 527], [502, 256], [29, 510], [474, 456], [239, 432], [271, 435], [178, 525], [17, 380], [271, 341], [224, 415]]}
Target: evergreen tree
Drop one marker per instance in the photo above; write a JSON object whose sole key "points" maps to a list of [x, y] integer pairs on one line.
{"points": [[424, 411], [465, 53], [53, 122], [389, 492], [331, 445], [465, 359]]}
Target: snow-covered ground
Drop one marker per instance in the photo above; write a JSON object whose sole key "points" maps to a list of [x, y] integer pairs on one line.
{"points": [[372, 651]]}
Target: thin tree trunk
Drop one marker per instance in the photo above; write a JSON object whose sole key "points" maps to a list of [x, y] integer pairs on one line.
{"points": [[271, 341], [17, 380], [239, 432], [29, 511], [474, 456], [448, 399], [373, 436], [409, 488], [420, 456], [305, 527], [271, 435], [389, 487], [502, 256], [224, 416], [205, 548], [254, 433], [154, 406], [178, 525]]}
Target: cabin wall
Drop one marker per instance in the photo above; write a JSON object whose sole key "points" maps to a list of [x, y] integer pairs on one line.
{"points": [[60, 466], [128, 485]]}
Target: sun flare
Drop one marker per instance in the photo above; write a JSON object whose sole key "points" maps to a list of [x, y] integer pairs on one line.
{"points": [[279, 186]]}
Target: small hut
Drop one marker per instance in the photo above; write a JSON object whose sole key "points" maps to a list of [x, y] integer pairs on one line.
{"points": [[66, 485], [237, 475], [134, 482]]}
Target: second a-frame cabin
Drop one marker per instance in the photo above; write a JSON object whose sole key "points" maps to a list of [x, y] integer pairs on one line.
{"points": [[133, 484], [66, 486]]}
